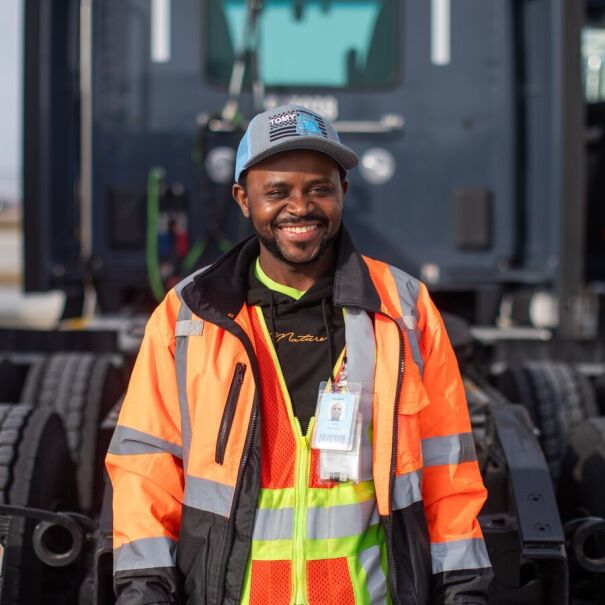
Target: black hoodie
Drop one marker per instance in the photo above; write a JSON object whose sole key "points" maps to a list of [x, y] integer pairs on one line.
{"points": [[308, 335]]}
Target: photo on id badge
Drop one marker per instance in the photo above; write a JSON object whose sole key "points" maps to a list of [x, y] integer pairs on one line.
{"points": [[335, 413]]}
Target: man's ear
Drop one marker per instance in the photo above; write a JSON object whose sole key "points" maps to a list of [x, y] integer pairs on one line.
{"points": [[344, 184], [241, 197]]}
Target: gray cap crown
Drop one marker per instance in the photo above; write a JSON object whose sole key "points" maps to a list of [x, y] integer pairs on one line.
{"points": [[290, 127]]}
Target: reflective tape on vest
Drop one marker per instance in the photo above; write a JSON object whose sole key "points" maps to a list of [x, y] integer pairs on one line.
{"points": [[459, 554], [127, 441], [341, 521], [376, 582], [407, 489], [145, 553], [273, 524], [207, 495], [451, 449]]}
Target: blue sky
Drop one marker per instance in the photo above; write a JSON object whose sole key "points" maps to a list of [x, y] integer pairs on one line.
{"points": [[10, 98]]}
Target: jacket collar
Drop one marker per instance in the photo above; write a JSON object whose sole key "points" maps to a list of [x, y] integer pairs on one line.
{"points": [[219, 292]]}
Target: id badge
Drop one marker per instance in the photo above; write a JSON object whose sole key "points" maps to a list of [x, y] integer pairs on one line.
{"points": [[342, 466], [336, 417]]}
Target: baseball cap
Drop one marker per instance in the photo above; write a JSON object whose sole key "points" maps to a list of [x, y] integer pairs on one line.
{"points": [[290, 127]]}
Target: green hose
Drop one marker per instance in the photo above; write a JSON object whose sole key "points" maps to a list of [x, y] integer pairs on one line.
{"points": [[194, 254], [154, 181]]}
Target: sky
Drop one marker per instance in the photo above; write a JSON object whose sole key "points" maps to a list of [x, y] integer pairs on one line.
{"points": [[10, 99]]}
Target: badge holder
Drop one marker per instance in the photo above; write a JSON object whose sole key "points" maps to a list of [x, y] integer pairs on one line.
{"points": [[337, 431]]}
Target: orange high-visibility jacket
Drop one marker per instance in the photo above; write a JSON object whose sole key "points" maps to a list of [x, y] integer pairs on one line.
{"points": [[185, 459]]}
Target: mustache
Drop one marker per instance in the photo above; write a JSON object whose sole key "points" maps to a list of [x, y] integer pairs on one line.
{"points": [[299, 220]]}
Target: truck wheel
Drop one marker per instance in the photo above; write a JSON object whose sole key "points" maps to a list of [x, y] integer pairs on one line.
{"points": [[568, 395], [32, 380], [12, 377], [81, 387], [516, 386], [600, 393], [588, 393], [548, 413], [37, 472], [583, 470]]}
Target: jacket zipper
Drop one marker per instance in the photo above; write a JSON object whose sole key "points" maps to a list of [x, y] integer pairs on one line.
{"points": [[229, 413], [390, 548], [250, 438]]}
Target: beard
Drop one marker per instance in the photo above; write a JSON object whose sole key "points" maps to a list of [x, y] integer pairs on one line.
{"points": [[272, 245]]}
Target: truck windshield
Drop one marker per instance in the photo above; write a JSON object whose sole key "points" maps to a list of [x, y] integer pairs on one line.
{"points": [[312, 43]]}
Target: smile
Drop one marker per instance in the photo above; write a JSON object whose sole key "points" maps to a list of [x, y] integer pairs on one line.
{"points": [[303, 229]]}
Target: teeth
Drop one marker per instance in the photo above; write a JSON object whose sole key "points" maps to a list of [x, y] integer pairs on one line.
{"points": [[304, 229]]}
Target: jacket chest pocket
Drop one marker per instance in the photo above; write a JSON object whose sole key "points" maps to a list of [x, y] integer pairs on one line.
{"points": [[229, 412], [409, 443]]}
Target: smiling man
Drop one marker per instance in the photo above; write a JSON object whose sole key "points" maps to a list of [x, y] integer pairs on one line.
{"points": [[233, 483]]}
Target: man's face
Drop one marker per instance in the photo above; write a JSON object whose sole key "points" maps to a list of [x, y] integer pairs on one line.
{"points": [[336, 412], [295, 202]]}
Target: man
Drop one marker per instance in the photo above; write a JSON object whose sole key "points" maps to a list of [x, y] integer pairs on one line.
{"points": [[223, 490]]}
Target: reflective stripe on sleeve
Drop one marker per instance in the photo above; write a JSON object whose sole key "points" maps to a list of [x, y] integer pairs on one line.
{"points": [[273, 524], [144, 554], [451, 449], [407, 489], [459, 554], [207, 495], [361, 361], [376, 582], [180, 359], [127, 441], [408, 289], [341, 521]]}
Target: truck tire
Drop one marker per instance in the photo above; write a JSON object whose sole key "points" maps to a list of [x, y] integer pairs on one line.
{"points": [[589, 395], [81, 387], [583, 470], [568, 395], [514, 383], [32, 380], [12, 376], [39, 473], [548, 413], [599, 387]]}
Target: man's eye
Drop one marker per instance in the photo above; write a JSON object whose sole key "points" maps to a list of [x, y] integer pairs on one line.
{"points": [[321, 190], [277, 194]]}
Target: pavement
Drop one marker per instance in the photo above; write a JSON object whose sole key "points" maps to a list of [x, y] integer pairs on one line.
{"points": [[18, 309]]}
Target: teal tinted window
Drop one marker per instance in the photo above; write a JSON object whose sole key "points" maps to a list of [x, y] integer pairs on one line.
{"points": [[318, 43]]}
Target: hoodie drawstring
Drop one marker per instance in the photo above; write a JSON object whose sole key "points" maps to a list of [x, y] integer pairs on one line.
{"points": [[324, 313], [272, 317]]}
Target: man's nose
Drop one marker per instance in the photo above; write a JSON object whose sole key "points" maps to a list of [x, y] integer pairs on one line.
{"points": [[299, 204]]}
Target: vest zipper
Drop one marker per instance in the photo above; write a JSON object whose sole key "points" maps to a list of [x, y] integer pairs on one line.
{"points": [[300, 513], [229, 412]]}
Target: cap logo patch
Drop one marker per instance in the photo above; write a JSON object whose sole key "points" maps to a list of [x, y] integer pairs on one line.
{"points": [[293, 123]]}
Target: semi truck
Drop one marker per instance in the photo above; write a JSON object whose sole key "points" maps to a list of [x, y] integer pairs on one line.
{"points": [[479, 127]]}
